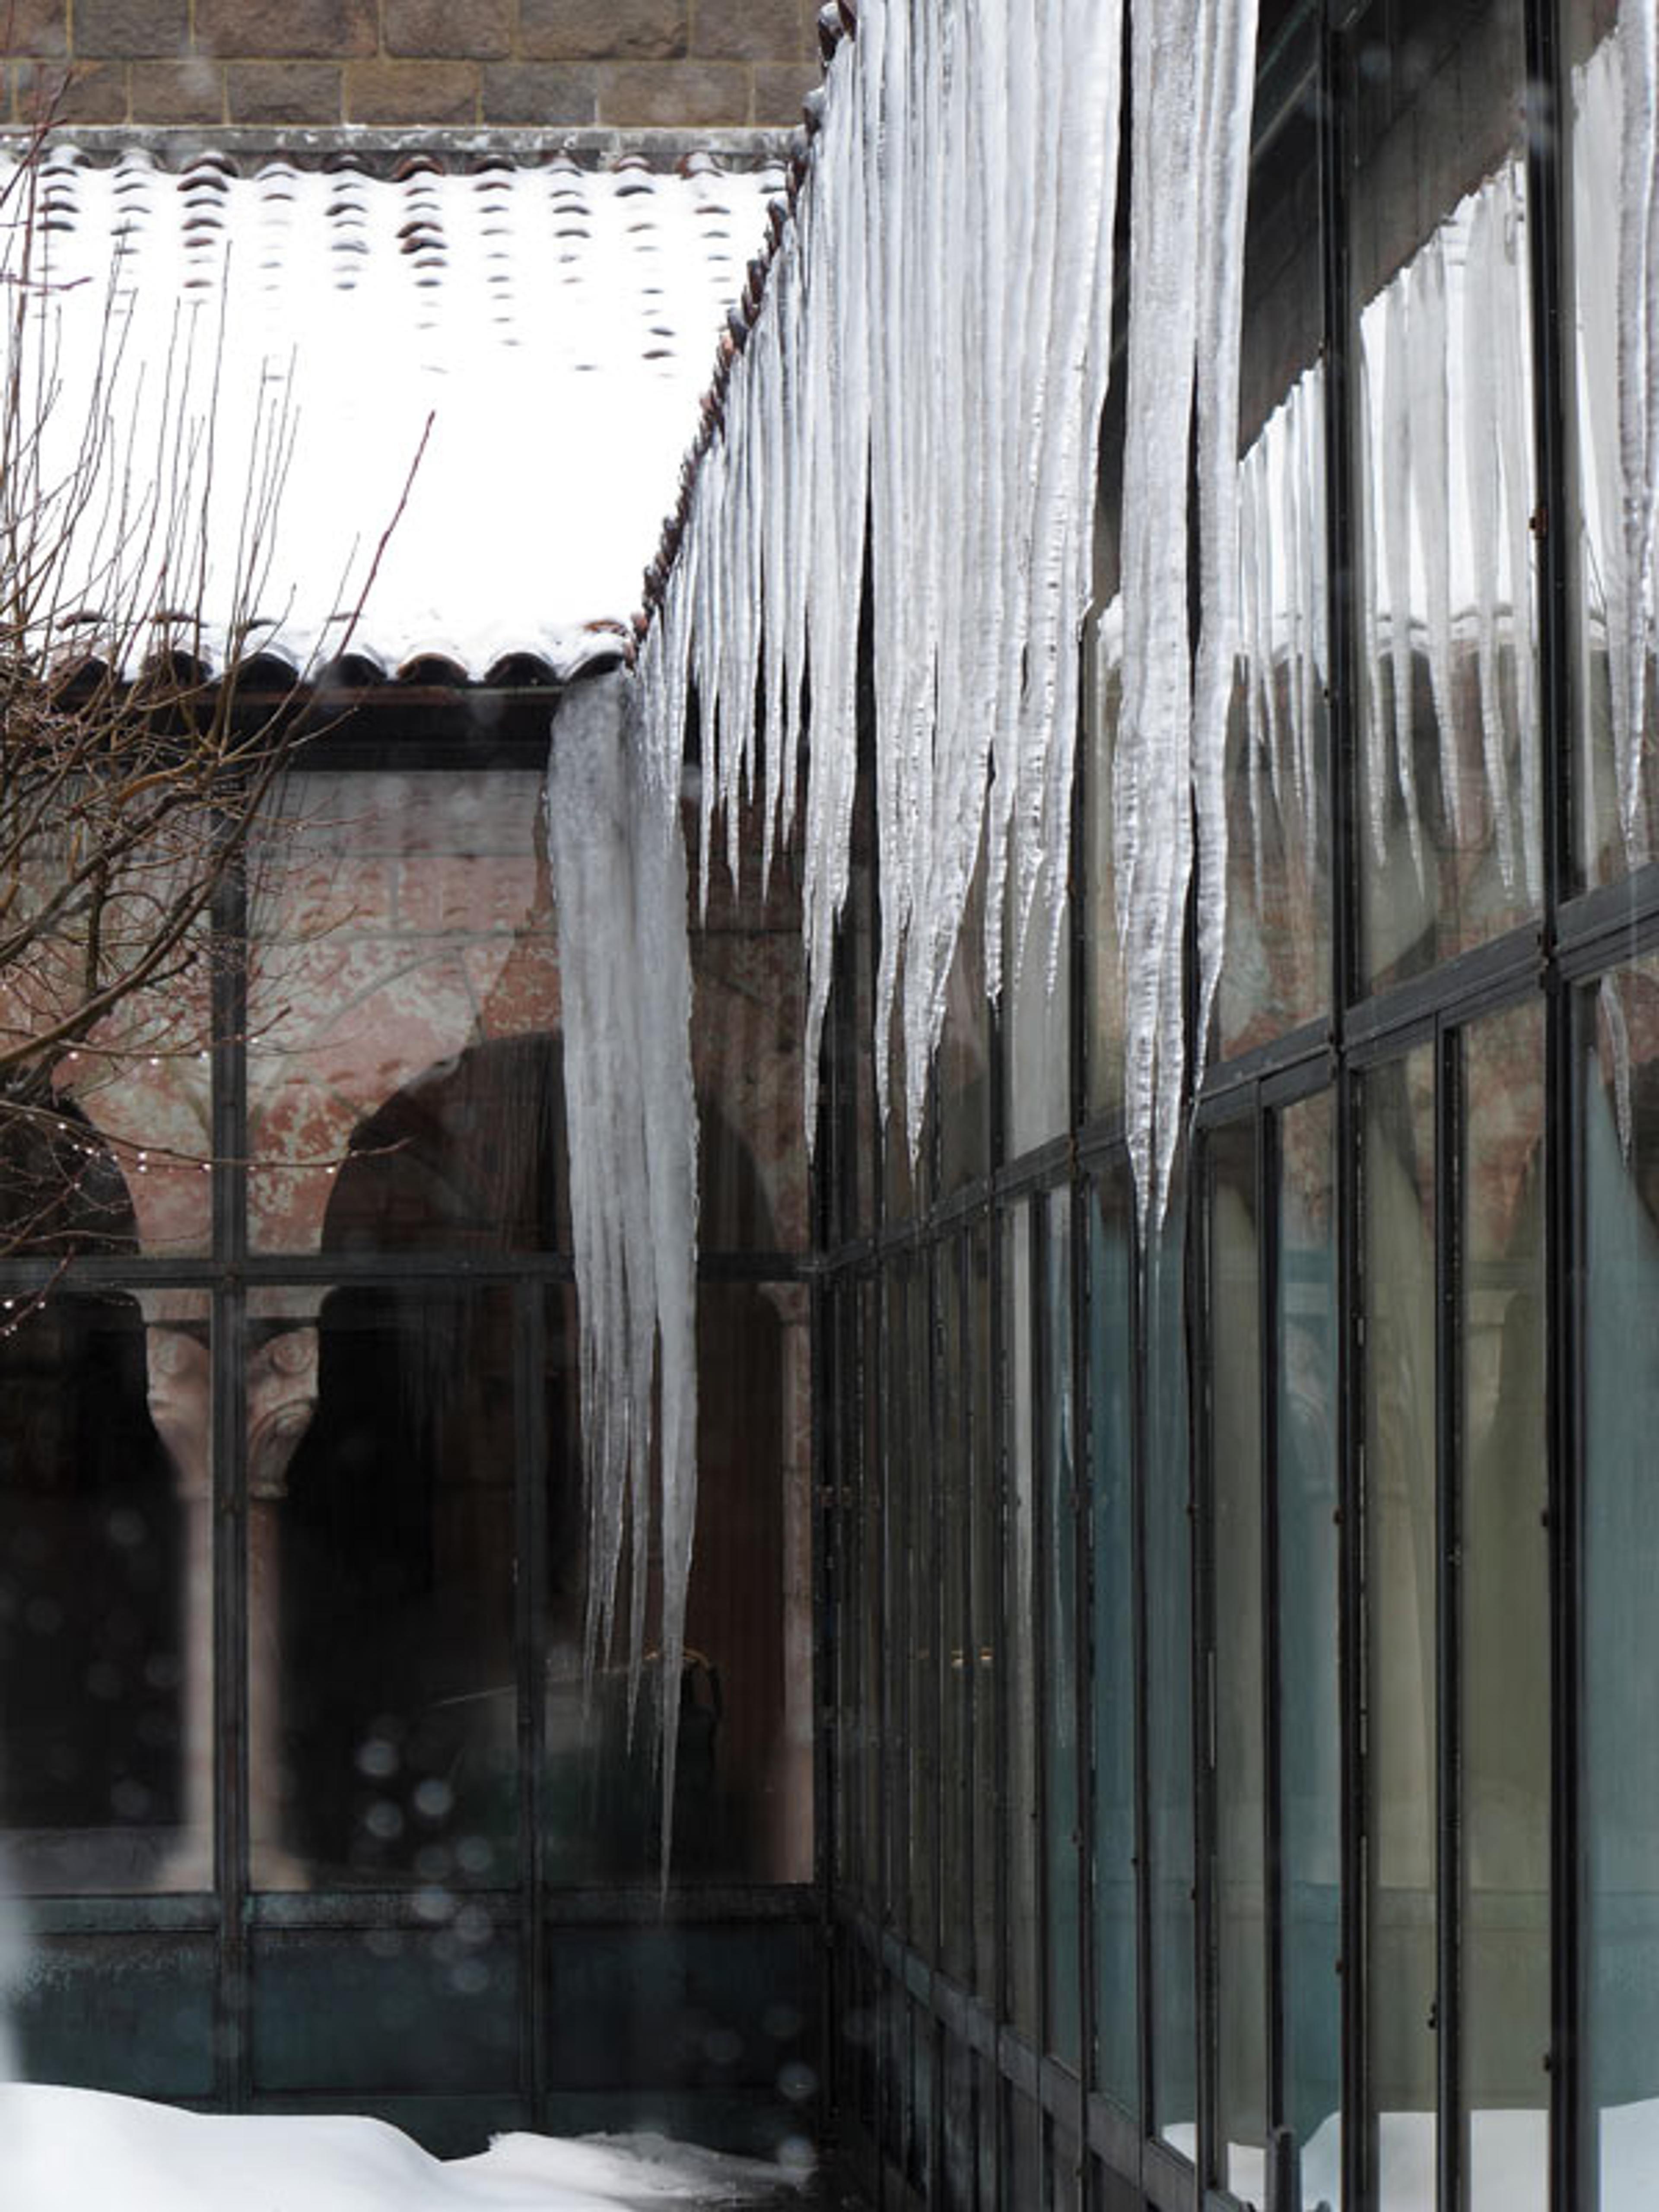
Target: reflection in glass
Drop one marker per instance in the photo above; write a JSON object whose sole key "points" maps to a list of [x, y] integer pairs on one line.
{"points": [[1618, 686], [106, 1594], [1275, 969], [1504, 1757], [1061, 1808], [1102, 699], [1022, 1935], [1621, 1772], [985, 1611], [964, 1068], [1310, 1781], [956, 1652], [1402, 1549], [1451, 789], [1240, 1779], [1111, 1429], [1037, 1031], [897, 1497], [920, 1464], [872, 1659], [1169, 1689], [396, 1736], [400, 950]]}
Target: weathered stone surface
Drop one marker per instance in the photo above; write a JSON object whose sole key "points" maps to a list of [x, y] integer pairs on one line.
{"points": [[533, 92], [271, 29], [283, 92], [412, 92], [748, 30], [130, 27], [697, 95], [447, 29], [602, 30], [79, 91], [38, 27], [780, 89], [177, 92]]}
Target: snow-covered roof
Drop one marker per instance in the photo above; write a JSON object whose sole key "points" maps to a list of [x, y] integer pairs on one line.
{"points": [[532, 338]]}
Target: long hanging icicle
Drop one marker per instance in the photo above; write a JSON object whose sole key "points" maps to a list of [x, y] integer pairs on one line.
{"points": [[618, 866], [1638, 394], [923, 374], [1191, 63]]}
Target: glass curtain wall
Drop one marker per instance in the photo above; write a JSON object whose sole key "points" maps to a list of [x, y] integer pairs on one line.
{"points": [[1350, 1609], [296, 1750]]}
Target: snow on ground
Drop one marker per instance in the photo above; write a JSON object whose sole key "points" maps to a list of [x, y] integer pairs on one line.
{"points": [[82, 2150]]}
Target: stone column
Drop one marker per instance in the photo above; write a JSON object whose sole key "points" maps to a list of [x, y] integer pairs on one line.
{"points": [[282, 1397], [180, 1406]]}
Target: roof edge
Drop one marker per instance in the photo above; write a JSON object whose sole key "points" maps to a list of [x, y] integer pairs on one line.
{"points": [[382, 151]]}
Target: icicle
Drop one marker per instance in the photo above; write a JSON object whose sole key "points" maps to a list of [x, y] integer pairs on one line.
{"points": [[1427, 399], [1639, 393], [1510, 353], [1228, 73], [1397, 470], [1482, 327], [1254, 588], [1152, 827], [1613, 1013], [1310, 395], [618, 867], [1189, 177], [1368, 439], [949, 251]]}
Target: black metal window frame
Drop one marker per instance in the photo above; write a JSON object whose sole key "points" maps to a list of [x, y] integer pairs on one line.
{"points": [[404, 728], [1578, 934]]}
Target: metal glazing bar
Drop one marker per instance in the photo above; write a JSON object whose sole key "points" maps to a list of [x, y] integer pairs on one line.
{"points": [[1448, 1519]]}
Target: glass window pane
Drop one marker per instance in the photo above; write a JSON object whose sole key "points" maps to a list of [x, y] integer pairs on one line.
{"points": [[749, 1015], [402, 1000], [897, 1500], [1402, 1547], [1310, 1750], [1618, 708], [956, 1655], [1451, 789], [1023, 1940], [872, 1613], [1240, 1779], [381, 1572], [1061, 1808], [107, 1593], [1276, 969], [1505, 2024], [1102, 695], [1111, 1428], [1168, 1490], [963, 1071], [986, 1616], [918, 1469], [1621, 1779], [743, 1790], [1037, 1029]]}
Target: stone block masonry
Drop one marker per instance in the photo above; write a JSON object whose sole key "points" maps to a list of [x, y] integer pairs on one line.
{"points": [[410, 64]]}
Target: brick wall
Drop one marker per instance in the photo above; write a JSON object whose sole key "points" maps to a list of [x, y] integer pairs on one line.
{"points": [[410, 63]]}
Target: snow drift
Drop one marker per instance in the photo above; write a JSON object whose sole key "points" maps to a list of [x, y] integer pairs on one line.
{"points": [[80, 2150]]}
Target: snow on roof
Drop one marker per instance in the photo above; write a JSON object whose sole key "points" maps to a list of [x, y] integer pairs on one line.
{"points": [[288, 334]]}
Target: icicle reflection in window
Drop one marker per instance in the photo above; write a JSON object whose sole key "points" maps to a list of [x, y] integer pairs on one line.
{"points": [[1615, 153], [1275, 970], [1450, 797]]}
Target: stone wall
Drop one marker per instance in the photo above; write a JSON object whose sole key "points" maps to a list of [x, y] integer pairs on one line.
{"points": [[410, 63]]}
